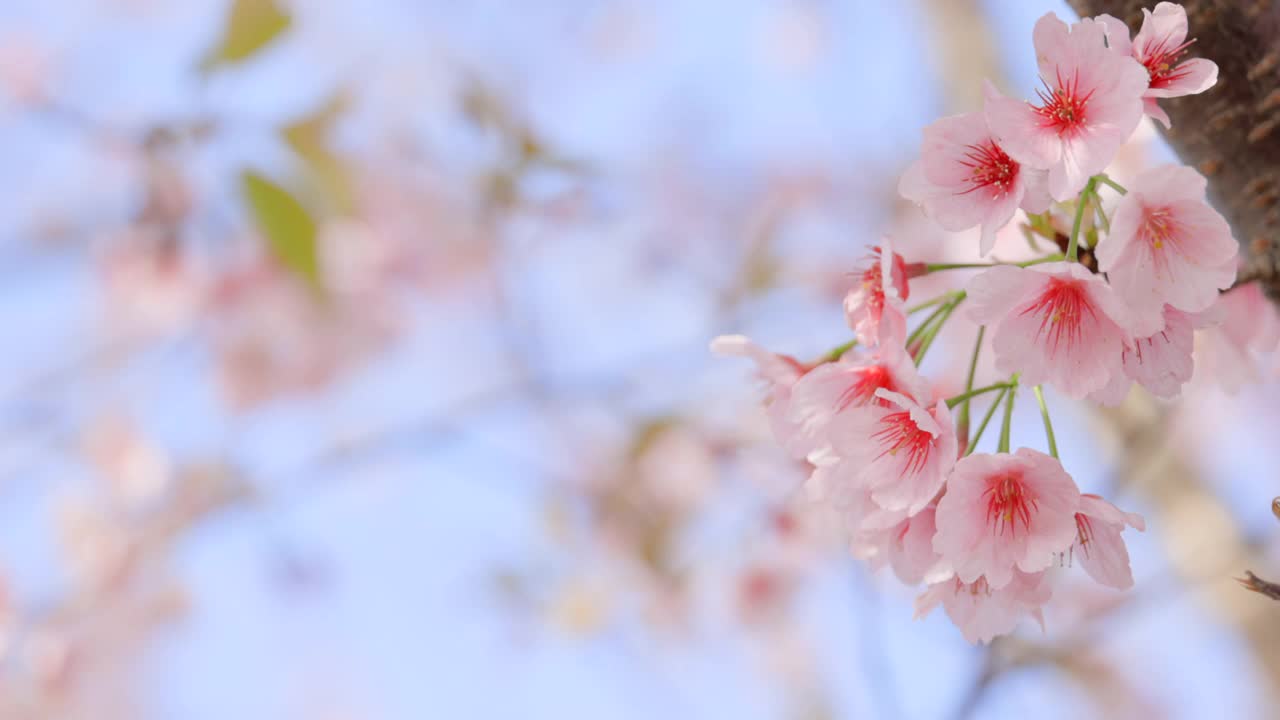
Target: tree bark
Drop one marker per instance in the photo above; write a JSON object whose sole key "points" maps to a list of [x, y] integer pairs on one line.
{"points": [[1231, 133]]}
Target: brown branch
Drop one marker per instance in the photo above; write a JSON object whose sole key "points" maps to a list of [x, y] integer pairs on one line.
{"points": [[1231, 133], [1257, 584], [1260, 586]]}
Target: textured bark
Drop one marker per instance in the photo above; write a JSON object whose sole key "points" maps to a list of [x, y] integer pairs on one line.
{"points": [[1231, 133]]}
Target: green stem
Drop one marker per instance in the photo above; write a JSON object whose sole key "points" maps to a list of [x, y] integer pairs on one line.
{"points": [[1056, 257], [1106, 180], [928, 322], [1102, 215], [1081, 203], [1048, 426], [944, 297], [986, 420], [936, 267], [926, 340], [839, 350], [957, 399], [1008, 415], [962, 421]]}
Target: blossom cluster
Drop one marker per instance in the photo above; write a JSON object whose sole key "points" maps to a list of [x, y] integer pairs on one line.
{"points": [[1117, 301]]}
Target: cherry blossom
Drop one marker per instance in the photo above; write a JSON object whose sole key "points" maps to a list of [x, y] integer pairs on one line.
{"points": [[1167, 246], [779, 373], [1161, 362], [901, 453], [1160, 46], [150, 285], [907, 547], [1098, 546], [1091, 103], [983, 612], [836, 485], [965, 179], [851, 382], [873, 307], [1122, 303], [1055, 322], [1230, 351], [273, 339], [1004, 511]]}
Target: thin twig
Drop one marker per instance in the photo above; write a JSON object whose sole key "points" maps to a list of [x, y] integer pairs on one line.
{"points": [[1260, 586]]}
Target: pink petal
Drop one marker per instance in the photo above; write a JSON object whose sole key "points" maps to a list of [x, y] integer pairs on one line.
{"points": [[1166, 26], [1017, 128], [1195, 75], [1155, 112], [1117, 34], [993, 292]]}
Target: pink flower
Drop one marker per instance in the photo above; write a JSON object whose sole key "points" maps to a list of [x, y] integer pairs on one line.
{"points": [[1098, 544], [983, 612], [1161, 362], [1229, 352], [907, 547], [831, 483], [874, 307], [1004, 511], [1055, 322], [901, 453], [832, 388], [1159, 46], [779, 373], [1167, 246], [963, 178], [1091, 103]]}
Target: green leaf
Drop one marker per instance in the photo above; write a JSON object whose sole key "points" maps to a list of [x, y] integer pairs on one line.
{"points": [[251, 25], [288, 228], [309, 138], [310, 133]]}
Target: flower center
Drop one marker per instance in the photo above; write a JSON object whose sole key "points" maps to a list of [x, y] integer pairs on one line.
{"points": [[1009, 505], [1159, 226], [898, 433], [1062, 308], [989, 167], [1162, 62], [863, 389], [1063, 108]]}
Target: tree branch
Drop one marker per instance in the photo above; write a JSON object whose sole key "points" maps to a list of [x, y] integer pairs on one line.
{"points": [[1260, 586], [1231, 133]]}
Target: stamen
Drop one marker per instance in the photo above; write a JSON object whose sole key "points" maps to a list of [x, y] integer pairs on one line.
{"points": [[899, 433], [863, 390], [1062, 307], [1009, 505], [990, 167], [1163, 62], [1062, 107], [1084, 533]]}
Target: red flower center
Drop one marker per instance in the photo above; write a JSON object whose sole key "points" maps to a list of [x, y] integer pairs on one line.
{"points": [[898, 433], [873, 285], [1162, 61], [1009, 505], [862, 390], [1063, 108], [1063, 308], [989, 167]]}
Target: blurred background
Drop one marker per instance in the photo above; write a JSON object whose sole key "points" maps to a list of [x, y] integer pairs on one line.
{"points": [[357, 368]]}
